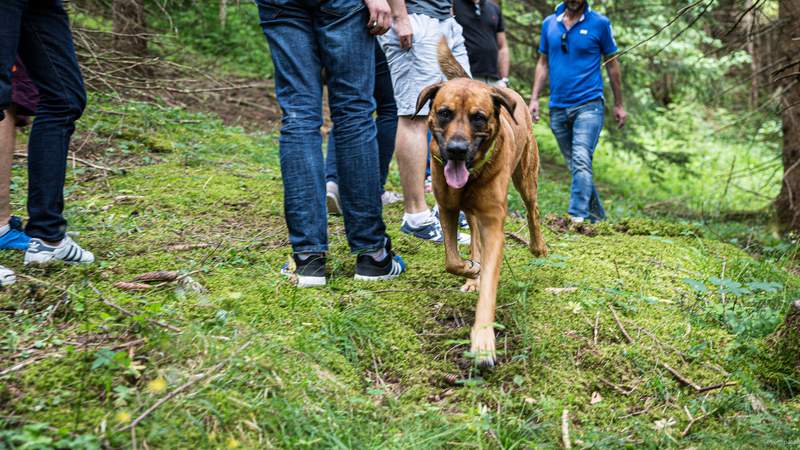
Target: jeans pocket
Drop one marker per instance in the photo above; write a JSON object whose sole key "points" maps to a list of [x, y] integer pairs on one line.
{"points": [[340, 8], [269, 9]]}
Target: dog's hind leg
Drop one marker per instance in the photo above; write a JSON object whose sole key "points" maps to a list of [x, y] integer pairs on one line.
{"points": [[526, 180], [473, 284], [453, 262]]}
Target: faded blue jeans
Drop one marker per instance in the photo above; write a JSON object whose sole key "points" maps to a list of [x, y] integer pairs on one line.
{"points": [[385, 121], [305, 37], [577, 130]]}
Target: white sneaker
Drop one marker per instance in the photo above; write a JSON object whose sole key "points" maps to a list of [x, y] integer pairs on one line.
{"points": [[389, 197], [67, 251], [576, 220], [332, 198], [7, 277]]}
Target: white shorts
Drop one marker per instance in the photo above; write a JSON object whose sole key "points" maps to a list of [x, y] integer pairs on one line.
{"points": [[418, 67]]}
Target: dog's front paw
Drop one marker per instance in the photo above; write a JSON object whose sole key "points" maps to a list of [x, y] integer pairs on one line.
{"points": [[471, 285], [483, 345], [539, 249]]}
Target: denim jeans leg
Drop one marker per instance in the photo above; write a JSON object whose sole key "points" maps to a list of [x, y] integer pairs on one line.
{"points": [[343, 38], [330, 159], [386, 114], [47, 50], [290, 32], [586, 127], [561, 124]]}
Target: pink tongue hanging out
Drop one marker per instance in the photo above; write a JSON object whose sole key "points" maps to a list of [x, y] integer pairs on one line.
{"points": [[456, 174]]}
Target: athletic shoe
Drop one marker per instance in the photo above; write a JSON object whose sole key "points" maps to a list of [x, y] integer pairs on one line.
{"points": [[67, 251], [428, 184], [576, 220], [7, 277], [307, 273], [389, 197], [431, 231], [15, 238], [390, 267], [462, 218], [332, 198]]}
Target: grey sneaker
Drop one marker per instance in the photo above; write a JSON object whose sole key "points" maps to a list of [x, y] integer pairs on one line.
{"points": [[67, 251], [332, 198], [7, 277]]}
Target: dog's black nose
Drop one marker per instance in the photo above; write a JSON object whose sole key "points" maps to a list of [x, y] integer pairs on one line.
{"points": [[457, 148]]}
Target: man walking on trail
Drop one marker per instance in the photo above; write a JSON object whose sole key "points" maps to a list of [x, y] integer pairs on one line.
{"points": [[305, 37], [485, 38], [413, 64], [573, 43], [39, 31]]}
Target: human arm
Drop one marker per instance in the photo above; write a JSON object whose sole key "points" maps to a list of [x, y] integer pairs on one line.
{"points": [[503, 60], [615, 75], [402, 24], [538, 83]]}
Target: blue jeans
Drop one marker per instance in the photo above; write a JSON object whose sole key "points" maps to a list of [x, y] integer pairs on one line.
{"points": [[577, 130], [385, 121], [38, 30], [305, 37]]}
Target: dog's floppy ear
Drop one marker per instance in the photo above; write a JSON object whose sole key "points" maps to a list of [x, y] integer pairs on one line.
{"points": [[427, 95], [503, 100]]}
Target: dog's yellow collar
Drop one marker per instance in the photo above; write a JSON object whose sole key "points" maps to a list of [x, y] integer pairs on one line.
{"points": [[486, 158]]}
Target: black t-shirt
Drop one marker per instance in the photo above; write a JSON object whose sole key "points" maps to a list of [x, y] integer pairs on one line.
{"points": [[480, 35]]}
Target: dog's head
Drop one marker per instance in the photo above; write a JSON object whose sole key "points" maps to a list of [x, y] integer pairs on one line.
{"points": [[464, 120]]}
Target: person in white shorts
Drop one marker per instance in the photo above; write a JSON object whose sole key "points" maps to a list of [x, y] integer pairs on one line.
{"points": [[413, 65]]}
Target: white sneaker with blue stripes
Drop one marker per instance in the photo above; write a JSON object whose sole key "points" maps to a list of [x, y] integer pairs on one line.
{"points": [[7, 277], [67, 251]]}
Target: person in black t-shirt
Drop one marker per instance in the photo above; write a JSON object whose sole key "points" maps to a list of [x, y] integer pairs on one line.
{"points": [[485, 38]]}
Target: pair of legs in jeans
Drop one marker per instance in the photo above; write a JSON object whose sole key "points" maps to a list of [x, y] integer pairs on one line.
{"points": [[577, 130], [305, 37], [38, 30], [385, 122]]}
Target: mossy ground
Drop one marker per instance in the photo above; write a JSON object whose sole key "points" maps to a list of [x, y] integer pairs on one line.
{"points": [[359, 365]]}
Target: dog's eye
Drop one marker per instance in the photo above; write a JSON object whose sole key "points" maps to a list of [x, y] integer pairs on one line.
{"points": [[478, 120], [444, 115]]}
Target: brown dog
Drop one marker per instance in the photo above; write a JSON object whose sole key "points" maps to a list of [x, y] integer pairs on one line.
{"points": [[482, 140]]}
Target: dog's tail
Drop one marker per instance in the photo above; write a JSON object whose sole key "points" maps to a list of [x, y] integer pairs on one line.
{"points": [[448, 63]]}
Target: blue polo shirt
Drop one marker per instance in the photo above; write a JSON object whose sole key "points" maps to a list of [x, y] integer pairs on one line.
{"points": [[575, 74]]}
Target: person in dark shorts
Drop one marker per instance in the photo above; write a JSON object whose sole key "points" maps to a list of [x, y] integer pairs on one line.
{"points": [[39, 33], [485, 39], [24, 99]]}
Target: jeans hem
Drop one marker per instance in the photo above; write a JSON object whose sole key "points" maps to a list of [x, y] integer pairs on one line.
{"points": [[311, 249], [361, 251]]}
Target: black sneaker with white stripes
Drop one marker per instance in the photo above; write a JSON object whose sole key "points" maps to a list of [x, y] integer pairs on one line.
{"points": [[67, 251], [306, 271], [390, 267]]}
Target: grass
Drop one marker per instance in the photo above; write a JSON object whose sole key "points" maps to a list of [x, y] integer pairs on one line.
{"points": [[358, 365]]}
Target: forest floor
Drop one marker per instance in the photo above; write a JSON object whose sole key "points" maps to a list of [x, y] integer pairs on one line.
{"points": [[638, 333]]}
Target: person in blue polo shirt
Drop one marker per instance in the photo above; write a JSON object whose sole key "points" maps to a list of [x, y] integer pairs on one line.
{"points": [[574, 42]]}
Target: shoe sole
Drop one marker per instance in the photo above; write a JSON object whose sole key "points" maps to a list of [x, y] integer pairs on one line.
{"points": [[310, 282], [358, 277], [8, 280], [333, 204]]}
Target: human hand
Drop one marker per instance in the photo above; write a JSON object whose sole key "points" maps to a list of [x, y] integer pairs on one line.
{"points": [[620, 115], [534, 108], [380, 16], [402, 26]]}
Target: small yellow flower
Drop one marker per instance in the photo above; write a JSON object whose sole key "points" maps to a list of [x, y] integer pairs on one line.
{"points": [[157, 386], [232, 443], [122, 417]]}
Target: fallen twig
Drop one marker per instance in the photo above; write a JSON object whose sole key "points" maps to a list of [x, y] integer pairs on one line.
{"points": [[518, 238], [596, 329], [39, 357], [620, 389], [130, 314], [697, 388], [159, 275], [129, 286], [693, 420], [80, 160], [565, 429], [184, 247], [621, 327], [178, 390]]}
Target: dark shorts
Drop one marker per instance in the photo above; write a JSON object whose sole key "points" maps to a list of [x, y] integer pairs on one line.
{"points": [[24, 94]]}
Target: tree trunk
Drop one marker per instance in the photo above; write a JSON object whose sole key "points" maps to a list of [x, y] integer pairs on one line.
{"points": [[787, 205], [223, 13], [781, 360], [129, 27]]}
